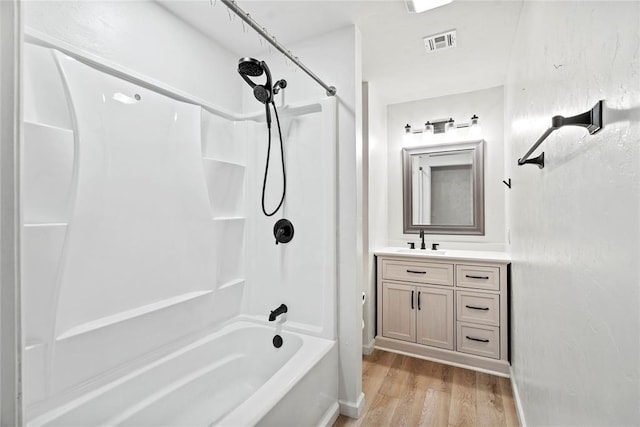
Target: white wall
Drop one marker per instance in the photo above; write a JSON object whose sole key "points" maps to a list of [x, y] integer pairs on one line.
{"points": [[488, 104], [143, 37], [335, 58], [376, 127], [576, 223]]}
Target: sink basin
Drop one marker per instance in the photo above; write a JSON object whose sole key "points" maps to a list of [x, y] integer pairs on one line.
{"points": [[420, 251]]}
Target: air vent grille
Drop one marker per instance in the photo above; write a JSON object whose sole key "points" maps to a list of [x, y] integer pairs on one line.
{"points": [[440, 41]]}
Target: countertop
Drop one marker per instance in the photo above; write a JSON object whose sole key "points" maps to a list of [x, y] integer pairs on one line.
{"points": [[445, 254]]}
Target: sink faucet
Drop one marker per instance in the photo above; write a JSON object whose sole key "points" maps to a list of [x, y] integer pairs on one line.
{"points": [[422, 245], [277, 312]]}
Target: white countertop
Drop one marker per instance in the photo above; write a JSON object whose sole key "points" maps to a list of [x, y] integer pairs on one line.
{"points": [[446, 254]]}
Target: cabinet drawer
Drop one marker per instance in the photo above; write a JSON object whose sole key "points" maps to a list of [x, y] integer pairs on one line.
{"points": [[479, 340], [473, 276], [420, 272], [478, 308]]}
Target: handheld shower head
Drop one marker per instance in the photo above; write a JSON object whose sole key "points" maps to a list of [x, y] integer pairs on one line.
{"points": [[251, 67]]}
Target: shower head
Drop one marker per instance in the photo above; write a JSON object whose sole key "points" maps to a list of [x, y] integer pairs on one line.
{"points": [[250, 67], [263, 93]]}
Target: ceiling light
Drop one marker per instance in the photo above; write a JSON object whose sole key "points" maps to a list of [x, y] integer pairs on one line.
{"points": [[419, 6]]}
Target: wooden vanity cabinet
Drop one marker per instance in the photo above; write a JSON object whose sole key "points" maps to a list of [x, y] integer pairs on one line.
{"points": [[421, 314], [453, 311]]}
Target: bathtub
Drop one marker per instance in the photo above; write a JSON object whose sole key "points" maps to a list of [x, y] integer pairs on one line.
{"points": [[233, 377]]}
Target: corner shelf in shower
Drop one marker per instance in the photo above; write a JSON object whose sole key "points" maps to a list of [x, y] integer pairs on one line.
{"points": [[231, 284], [48, 162], [228, 162], [47, 126], [225, 186], [46, 224], [228, 218], [131, 314]]}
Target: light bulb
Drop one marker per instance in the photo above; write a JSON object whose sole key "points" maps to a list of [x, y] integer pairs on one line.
{"points": [[407, 136], [427, 133], [449, 126], [474, 128]]}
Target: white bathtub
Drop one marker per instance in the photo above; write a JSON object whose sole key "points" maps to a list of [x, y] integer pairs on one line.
{"points": [[234, 377]]}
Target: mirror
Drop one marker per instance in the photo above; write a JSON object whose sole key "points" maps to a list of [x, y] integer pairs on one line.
{"points": [[443, 188]]}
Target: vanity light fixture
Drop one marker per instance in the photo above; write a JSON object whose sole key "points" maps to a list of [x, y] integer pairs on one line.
{"points": [[448, 126], [427, 133], [428, 128], [474, 126], [406, 138]]}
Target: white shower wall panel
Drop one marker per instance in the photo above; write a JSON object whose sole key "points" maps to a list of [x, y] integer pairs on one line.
{"points": [[301, 273], [122, 257], [49, 153], [224, 140], [44, 96], [141, 210]]}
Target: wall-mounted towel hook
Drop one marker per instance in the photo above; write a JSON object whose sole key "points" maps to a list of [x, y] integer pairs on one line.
{"points": [[591, 120], [507, 183]]}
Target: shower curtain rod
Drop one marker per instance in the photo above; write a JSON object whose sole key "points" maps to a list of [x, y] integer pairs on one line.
{"points": [[231, 4]]}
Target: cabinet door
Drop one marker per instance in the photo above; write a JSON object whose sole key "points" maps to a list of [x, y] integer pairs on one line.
{"points": [[435, 317], [398, 311]]}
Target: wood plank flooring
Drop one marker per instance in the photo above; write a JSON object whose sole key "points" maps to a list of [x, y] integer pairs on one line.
{"points": [[405, 391]]}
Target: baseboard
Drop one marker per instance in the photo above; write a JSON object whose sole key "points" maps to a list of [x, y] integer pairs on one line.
{"points": [[330, 417], [350, 409], [497, 367], [516, 398], [367, 349]]}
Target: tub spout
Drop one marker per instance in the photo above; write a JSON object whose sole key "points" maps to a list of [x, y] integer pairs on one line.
{"points": [[277, 312]]}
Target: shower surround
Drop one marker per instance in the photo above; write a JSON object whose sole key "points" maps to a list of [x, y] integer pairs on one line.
{"points": [[142, 235]]}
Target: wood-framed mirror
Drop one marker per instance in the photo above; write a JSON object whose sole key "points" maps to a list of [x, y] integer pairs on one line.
{"points": [[443, 188]]}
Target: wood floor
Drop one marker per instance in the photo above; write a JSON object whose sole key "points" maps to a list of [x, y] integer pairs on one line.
{"points": [[405, 391]]}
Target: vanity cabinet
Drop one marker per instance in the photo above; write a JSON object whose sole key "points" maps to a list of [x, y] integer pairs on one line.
{"points": [[453, 310], [421, 314]]}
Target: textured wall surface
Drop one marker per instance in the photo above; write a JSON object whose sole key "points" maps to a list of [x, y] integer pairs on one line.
{"points": [[575, 223]]}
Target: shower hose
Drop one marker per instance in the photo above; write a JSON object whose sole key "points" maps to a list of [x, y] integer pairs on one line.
{"points": [[266, 168]]}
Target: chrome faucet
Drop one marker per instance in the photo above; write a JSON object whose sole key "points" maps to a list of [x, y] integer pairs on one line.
{"points": [[422, 245], [277, 312]]}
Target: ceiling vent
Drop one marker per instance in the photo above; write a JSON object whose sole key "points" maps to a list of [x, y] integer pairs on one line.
{"points": [[440, 41]]}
